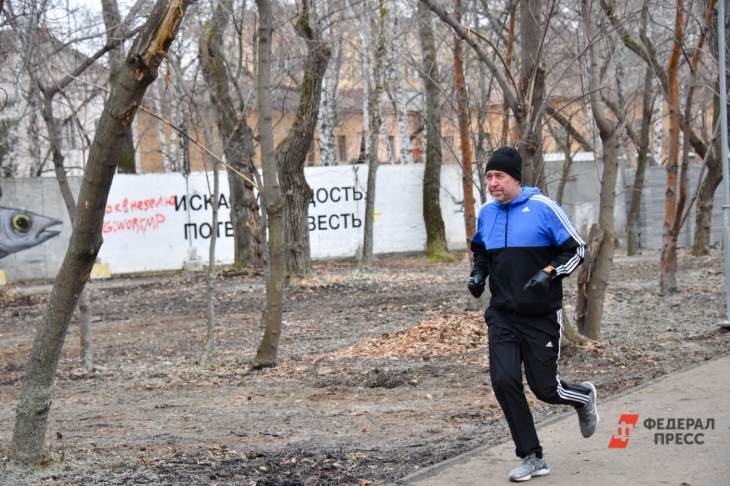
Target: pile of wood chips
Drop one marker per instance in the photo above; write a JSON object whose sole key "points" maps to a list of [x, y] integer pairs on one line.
{"points": [[436, 336]]}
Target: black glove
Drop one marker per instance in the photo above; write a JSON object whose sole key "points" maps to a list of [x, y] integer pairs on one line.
{"points": [[539, 281], [476, 284]]}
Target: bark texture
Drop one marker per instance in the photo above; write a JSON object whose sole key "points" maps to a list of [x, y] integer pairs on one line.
{"points": [[209, 344], [327, 120], [677, 176], [668, 262], [633, 245], [373, 136], [705, 202], [237, 136], [532, 93], [115, 30], [504, 138], [435, 232], [291, 154], [467, 173], [593, 278], [269, 345], [139, 70], [400, 99]]}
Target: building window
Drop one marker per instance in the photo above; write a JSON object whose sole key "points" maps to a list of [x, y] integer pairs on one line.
{"points": [[342, 148]]}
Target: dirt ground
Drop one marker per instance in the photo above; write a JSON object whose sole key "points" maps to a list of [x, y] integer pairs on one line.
{"points": [[380, 374]]}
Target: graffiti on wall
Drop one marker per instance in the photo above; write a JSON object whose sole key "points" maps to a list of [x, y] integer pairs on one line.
{"points": [[21, 229], [119, 216]]}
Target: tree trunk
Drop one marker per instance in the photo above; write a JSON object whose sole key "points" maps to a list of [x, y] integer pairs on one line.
{"points": [[505, 136], [366, 258], [291, 154], [532, 89], [168, 138], [85, 334], [674, 215], [327, 120], [604, 258], [482, 120], [400, 105], [571, 336], [275, 272], [694, 63], [375, 95], [54, 138], [600, 259], [563, 142], [115, 30], [633, 223], [138, 71], [595, 240], [705, 202], [668, 262], [237, 136], [209, 345], [463, 112], [436, 247]]}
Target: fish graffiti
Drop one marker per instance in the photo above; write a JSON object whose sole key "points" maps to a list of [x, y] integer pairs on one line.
{"points": [[21, 229]]}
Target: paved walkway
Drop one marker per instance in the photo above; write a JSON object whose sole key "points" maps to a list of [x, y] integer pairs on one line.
{"points": [[700, 393]]}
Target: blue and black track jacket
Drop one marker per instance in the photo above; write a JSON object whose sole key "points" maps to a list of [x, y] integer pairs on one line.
{"points": [[513, 241]]}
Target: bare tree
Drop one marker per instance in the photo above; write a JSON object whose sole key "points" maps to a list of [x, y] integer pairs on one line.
{"points": [[563, 140], [436, 247], [49, 87], [115, 29], [139, 70], [292, 152], [526, 101], [209, 344], [327, 120], [646, 50], [467, 173], [505, 134], [396, 93], [275, 270], [374, 120], [633, 243], [237, 136], [640, 140], [593, 279], [533, 27], [674, 205], [705, 198]]}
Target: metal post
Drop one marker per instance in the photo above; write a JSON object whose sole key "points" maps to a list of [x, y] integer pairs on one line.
{"points": [[723, 151]]}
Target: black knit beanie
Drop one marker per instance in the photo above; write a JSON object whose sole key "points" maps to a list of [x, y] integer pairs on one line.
{"points": [[507, 160]]}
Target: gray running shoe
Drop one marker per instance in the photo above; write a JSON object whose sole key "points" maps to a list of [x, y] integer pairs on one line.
{"points": [[588, 414], [531, 466]]}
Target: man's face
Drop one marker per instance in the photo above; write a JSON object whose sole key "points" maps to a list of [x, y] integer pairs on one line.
{"points": [[502, 186]]}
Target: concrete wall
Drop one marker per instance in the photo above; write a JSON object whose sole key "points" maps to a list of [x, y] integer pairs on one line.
{"points": [[652, 208], [154, 221], [580, 200]]}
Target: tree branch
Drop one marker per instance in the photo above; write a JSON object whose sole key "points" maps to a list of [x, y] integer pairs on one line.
{"points": [[509, 88]]}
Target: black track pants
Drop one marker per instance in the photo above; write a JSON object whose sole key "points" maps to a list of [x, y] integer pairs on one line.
{"points": [[535, 341]]}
